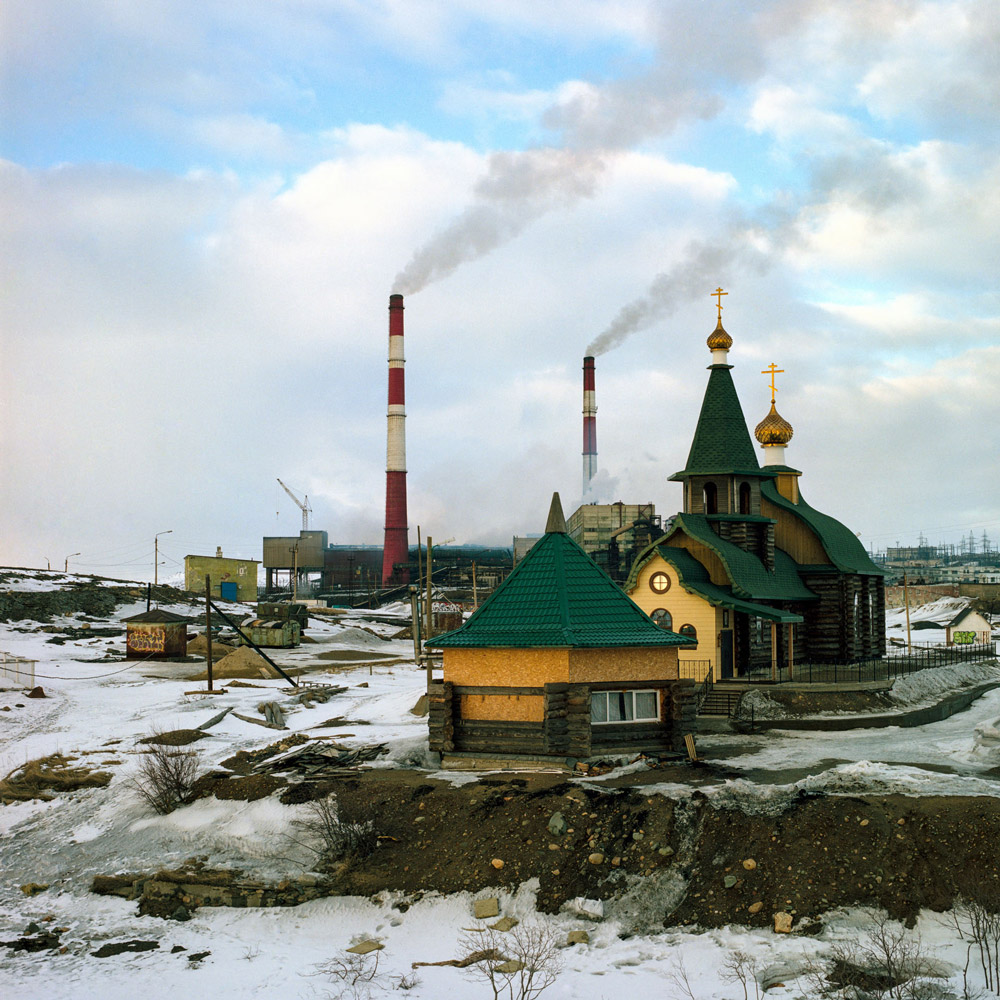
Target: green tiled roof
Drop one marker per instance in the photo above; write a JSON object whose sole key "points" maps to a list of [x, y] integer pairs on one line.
{"points": [[695, 580], [842, 546], [558, 596], [749, 577], [721, 441]]}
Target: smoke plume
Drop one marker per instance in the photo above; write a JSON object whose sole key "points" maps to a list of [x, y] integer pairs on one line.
{"points": [[517, 189]]}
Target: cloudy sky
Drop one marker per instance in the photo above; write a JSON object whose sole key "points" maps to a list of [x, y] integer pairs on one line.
{"points": [[205, 206]]}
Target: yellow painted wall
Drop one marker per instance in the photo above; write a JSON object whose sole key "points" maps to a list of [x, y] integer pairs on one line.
{"points": [[505, 708], [792, 536], [622, 664], [685, 609], [242, 572], [505, 667]]}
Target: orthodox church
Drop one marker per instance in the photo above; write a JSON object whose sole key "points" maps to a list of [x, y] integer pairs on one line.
{"points": [[754, 577]]}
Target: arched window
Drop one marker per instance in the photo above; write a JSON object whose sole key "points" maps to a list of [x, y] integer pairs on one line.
{"points": [[662, 618], [710, 498], [690, 632], [744, 498]]}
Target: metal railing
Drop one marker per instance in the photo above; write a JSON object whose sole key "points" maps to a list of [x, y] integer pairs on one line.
{"points": [[17, 670], [875, 668], [695, 670]]}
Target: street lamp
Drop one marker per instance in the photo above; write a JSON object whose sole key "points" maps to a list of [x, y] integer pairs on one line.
{"points": [[156, 555], [66, 564]]}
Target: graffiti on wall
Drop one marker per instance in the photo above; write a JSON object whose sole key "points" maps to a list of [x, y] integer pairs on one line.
{"points": [[153, 641], [963, 637]]}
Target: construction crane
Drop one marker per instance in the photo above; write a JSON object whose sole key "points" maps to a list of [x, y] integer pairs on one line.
{"points": [[302, 504]]}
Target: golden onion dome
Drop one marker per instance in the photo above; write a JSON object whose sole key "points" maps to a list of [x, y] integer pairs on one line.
{"points": [[773, 429], [719, 340]]}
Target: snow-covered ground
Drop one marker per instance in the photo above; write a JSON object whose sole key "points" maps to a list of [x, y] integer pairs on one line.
{"points": [[91, 701]]}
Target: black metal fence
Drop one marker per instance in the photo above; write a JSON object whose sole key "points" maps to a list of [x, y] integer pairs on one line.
{"points": [[875, 669]]}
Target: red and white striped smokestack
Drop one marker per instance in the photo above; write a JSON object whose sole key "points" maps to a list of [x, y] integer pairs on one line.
{"points": [[396, 546], [589, 424]]}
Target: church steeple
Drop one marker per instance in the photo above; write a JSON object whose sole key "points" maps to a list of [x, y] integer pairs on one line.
{"points": [[721, 443]]}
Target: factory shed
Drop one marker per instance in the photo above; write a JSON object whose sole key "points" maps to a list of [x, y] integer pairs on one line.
{"points": [[155, 635], [558, 662]]}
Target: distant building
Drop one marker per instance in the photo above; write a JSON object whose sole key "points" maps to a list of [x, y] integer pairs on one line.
{"points": [[156, 635], [286, 555], [232, 579], [613, 533], [522, 546]]}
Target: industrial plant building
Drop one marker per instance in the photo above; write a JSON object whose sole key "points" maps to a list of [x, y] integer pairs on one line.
{"points": [[232, 579]]}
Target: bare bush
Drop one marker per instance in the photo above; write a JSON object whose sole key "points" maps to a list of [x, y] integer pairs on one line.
{"points": [[978, 920], [166, 776], [336, 831], [517, 965], [677, 976], [355, 977], [741, 967], [889, 964]]}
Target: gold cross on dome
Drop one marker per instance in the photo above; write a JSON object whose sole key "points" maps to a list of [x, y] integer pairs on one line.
{"points": [[772, 369], [717, 295]]}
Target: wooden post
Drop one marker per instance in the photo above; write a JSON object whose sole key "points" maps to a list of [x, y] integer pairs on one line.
{"points": [[774, 651], [430, 612], [906, 601], [791, 653], [420, 568], [208, 627], [475, 592], [415, 622]]}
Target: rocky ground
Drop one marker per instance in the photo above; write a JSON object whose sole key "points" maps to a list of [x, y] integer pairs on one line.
{"points": [[658, 861]]}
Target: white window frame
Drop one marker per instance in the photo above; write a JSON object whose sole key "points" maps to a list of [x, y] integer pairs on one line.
{"points": [[630, 693]]}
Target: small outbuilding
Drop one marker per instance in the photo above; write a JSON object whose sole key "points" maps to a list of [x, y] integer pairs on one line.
{"points": [[155, 635], [559, 661]]}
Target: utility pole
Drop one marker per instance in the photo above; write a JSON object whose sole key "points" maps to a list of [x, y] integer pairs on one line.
{"points": [[295, 572], [208, 627], [906, 601], [430, 614], [156, 555], [66, 563]]}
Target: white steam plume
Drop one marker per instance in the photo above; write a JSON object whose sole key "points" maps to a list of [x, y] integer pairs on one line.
{"points": [[695, 275], [517, 189]]}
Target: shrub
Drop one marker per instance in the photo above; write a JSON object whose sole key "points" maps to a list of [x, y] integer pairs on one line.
{"points": [[339, 831], [166, 776]]}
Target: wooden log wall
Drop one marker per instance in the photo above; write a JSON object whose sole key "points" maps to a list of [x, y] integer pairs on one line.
{"points": [[440, 716], [839, 629]]}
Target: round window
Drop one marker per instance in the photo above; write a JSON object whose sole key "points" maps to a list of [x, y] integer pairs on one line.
{"points": [[659, 583], [662, 618]]}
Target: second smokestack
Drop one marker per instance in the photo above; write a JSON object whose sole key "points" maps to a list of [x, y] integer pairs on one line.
{"points": [[589, 424]]}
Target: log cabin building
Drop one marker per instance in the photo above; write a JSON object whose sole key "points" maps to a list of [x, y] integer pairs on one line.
{"points": [[558, 662], [756, 578]]}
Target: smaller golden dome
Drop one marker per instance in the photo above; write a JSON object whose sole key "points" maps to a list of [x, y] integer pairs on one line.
{"points": [[773, 429], [719, 340]]}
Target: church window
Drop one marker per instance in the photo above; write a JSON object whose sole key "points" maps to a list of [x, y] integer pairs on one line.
{"points": [[690, 632], [624, 706], [663, 618], [710, 497], [744, 498], [659, 583]]}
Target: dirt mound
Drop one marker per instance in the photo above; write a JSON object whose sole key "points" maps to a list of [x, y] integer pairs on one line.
{"points": [[176, 737], [667, 862], [241, 662], [37, 778], [199, 645]]}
